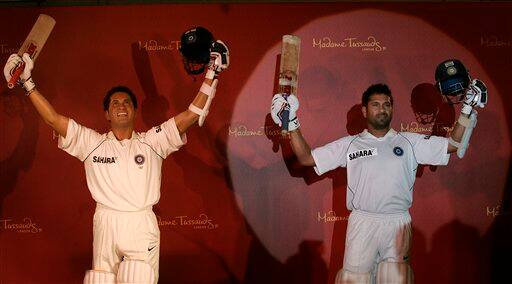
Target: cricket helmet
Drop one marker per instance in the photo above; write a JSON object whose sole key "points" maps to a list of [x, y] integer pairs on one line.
{"points": [[195, 49], [452, 79]]}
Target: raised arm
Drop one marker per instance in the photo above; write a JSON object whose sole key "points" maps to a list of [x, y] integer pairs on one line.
{"points": [[198, 109], [476, 96], [299, 145], [456, 134], [58, 122], [301, 148]]}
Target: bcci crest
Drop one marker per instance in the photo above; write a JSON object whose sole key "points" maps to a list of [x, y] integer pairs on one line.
{"points": [[139, 159]]}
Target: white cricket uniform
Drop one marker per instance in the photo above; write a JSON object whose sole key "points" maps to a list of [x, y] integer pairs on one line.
{"points": [[124, 179], [380, 178]]}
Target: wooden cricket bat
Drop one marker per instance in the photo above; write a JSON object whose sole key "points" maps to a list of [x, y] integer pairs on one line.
{"points": [[288, 72], [33, 44]]}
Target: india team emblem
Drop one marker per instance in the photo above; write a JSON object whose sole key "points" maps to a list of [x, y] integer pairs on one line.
{"points": [[398, 151], [139, 159]]}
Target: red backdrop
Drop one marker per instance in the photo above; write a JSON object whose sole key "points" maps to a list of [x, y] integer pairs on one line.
{"points": [[235, 208]]}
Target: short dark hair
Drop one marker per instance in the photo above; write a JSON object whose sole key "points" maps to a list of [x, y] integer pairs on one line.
{"points": [[118, 89], [376, 89]]}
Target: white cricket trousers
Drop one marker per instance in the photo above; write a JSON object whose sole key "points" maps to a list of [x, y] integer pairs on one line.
{"points": [[372, 238], [119, 235]]}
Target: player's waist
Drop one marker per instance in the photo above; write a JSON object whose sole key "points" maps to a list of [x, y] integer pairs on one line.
{"points": [[102, 207], [382, 216]]}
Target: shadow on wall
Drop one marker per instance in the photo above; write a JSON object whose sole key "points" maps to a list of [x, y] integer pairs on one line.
{"points": [[454, 257], [15, 104], [498, 239], [307, 266], [475, 259], [251, 262]]}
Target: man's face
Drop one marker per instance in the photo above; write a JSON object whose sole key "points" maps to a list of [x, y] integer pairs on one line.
{"points": [[378, 112], [121, 112]]}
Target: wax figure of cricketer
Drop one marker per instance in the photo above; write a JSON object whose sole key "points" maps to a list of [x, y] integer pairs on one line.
{"points": [[381, 168], [123, 168]]}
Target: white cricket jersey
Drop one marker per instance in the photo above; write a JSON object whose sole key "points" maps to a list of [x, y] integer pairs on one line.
{"points": [[123, 175], [381, 171]]}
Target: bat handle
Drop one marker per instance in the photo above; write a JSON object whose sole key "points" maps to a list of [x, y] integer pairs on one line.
{"points": [[16, 75], [285, 119]]}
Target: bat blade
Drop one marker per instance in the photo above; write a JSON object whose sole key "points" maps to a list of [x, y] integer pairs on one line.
{"points": [[288, 72], [33, 44]]}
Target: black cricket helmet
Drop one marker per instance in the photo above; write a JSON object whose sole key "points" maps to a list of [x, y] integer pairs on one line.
{"points": [[195, 49], [452, 79]]}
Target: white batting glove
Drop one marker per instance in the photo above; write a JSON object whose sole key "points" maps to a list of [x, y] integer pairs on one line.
{"points": [[26, 77], [279, 104], [476, 96], [219, 59]]}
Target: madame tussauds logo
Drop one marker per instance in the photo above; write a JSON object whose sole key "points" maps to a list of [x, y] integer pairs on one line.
{"points": [[330, 217], [26, 226], [155, 45], [6, 49], [425, 129], [368, 44], [244, 131], [200, 222]]}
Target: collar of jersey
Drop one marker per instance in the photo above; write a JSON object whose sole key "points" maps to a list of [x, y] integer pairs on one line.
{"points": [[110, 135], [366, 134]]}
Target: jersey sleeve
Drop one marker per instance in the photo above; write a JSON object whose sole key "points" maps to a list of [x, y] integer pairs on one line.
{"points": [[331, 155], [429, 150], [80, 140], [165, 138]]}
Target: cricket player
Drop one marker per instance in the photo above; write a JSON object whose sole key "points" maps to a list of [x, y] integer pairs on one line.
{"points": [[123, 169], [381, 168]]}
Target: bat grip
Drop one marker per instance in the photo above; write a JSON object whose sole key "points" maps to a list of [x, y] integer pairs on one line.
{"points": [[16, 75], [286, 119], [31, 50]]}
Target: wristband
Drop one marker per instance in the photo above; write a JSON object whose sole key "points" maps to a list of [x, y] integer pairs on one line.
{"points": [[466, 109], [29, 85]]}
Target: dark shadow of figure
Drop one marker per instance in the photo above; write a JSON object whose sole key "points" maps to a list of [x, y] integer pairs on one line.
{"points": [[478, 260], [356, 123], [154, 107], [418, 257], [15, 104], [455, 256], [432, 112], [261, 266], [307, 266], [498, 238]]}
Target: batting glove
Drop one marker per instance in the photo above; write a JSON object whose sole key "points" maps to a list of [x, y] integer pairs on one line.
{"points": [[476, 96], [279, 104], [26, 77], [219, 59]]}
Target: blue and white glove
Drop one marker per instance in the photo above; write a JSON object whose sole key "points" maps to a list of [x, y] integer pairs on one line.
{"points": [[476, 96], [279, 104]]}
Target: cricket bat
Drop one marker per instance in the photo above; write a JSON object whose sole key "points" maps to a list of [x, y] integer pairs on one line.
{"points": [[288, 72], [33, 44]]}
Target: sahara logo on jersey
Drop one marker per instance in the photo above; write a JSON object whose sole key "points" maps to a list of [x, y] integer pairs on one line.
{"points": [[362, 154], [103, 160]]}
